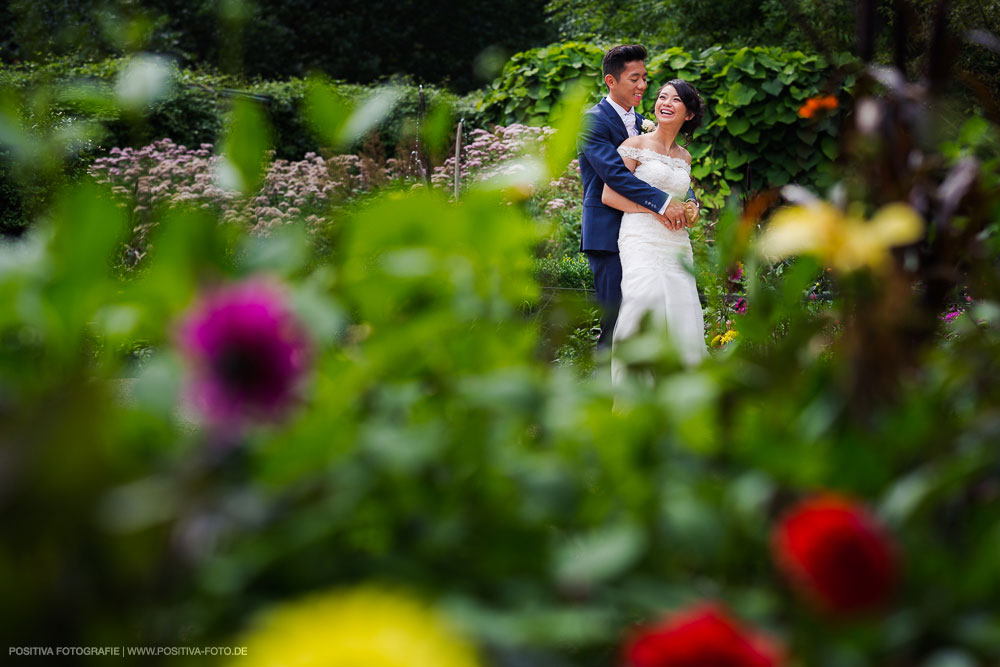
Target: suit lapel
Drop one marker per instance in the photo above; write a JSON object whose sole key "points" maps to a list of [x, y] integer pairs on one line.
{"points": [[617, 126]]}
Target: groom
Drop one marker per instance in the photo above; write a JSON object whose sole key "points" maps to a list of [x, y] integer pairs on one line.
{"points": [[606, 125]]}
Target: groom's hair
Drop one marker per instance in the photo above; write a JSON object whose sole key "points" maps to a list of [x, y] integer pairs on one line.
{"points": [[615, 59]]}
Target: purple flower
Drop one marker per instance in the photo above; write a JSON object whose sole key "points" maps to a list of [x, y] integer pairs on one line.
{"points": [[952, 315], [248, 352], [740, 306]]}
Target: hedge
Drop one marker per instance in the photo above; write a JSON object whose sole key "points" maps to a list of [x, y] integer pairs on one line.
{"points": [[193, 113]]}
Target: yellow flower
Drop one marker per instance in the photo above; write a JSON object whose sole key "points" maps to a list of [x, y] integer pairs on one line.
{"points": [[364, 627], [844, 242], [727, 337]]}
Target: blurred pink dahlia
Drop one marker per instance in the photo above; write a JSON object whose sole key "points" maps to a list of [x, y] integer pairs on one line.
{"points": [[248, 351]]}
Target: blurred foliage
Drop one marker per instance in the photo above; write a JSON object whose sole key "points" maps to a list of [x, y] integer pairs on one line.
{"points": [[752, 137], [434, 42], [438, 449]]}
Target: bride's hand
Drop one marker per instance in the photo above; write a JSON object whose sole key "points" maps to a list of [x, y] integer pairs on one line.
{"points": [[674, 217], [670, 223]]}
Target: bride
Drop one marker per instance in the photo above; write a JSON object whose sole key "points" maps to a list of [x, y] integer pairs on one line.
{"points": [[656, 259]]}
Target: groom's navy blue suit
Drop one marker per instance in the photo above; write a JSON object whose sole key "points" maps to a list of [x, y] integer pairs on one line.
{"points": [[600, 163]]}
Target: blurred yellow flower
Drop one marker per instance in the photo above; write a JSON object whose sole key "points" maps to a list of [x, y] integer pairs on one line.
{"points": [[844, 242], [365, 627], [727, 337]]}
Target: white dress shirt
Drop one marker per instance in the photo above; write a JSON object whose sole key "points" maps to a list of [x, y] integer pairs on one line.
{"points": [[628, 118]]}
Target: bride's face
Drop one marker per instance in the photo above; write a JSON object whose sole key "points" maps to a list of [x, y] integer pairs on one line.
{"points": [[669, 107]]}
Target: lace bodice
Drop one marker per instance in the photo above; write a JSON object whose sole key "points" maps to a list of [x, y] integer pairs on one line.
{"points": [[670, 174]]}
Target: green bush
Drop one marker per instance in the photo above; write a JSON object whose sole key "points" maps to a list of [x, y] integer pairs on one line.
{"points": [[752, 137], [530, 83], [568, 271], [193, 112]]}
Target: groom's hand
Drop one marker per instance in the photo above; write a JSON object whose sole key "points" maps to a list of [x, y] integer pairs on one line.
{"points": [[693, 212], [674, 217]]}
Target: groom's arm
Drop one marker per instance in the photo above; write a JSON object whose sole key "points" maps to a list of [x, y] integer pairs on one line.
{"points": [[694, 214], [603, 156]]}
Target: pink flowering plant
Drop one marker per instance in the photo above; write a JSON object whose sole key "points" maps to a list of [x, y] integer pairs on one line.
{"points": [[165, 173], [491, 153]]}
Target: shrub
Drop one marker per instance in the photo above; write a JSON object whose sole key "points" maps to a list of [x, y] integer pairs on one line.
{"points": [[569, 271], [532, 81]]}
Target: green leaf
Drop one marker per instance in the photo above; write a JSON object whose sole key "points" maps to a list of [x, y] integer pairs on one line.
{"points": [[369, 114], [735, 158], [679, 61], [798, 93], [88, 227], [325, 112], [776, 176], [561, 147], [774, 86], [437, 128], [737, 126], [745, 61], [789, 75], [829, 147], [244, 149], [723, 110], [698, 149], [764, 59], [701, 169], [806, 135], [740, 94], [786, 115], [599, 556]]}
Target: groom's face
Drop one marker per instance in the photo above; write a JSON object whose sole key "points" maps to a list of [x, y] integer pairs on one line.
{"points": [[628, 89]]}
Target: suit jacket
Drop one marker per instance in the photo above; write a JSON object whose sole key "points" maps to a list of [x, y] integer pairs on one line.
{"points": [[600, 163]]}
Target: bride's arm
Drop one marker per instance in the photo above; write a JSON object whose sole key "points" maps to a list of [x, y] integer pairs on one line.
{"points": [[611, 198]]}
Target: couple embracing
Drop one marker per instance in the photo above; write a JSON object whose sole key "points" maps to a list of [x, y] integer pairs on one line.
{"points": [[637, 206]]}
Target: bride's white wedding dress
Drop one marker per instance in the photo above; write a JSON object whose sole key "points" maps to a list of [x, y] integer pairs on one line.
{"points": [[655, 260]]}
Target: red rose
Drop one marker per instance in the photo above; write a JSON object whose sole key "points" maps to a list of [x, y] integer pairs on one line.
{"points": [[700, 637], [836, 553]]}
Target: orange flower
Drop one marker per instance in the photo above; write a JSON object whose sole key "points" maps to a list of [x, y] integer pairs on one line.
{"points": [[816, 104]]}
